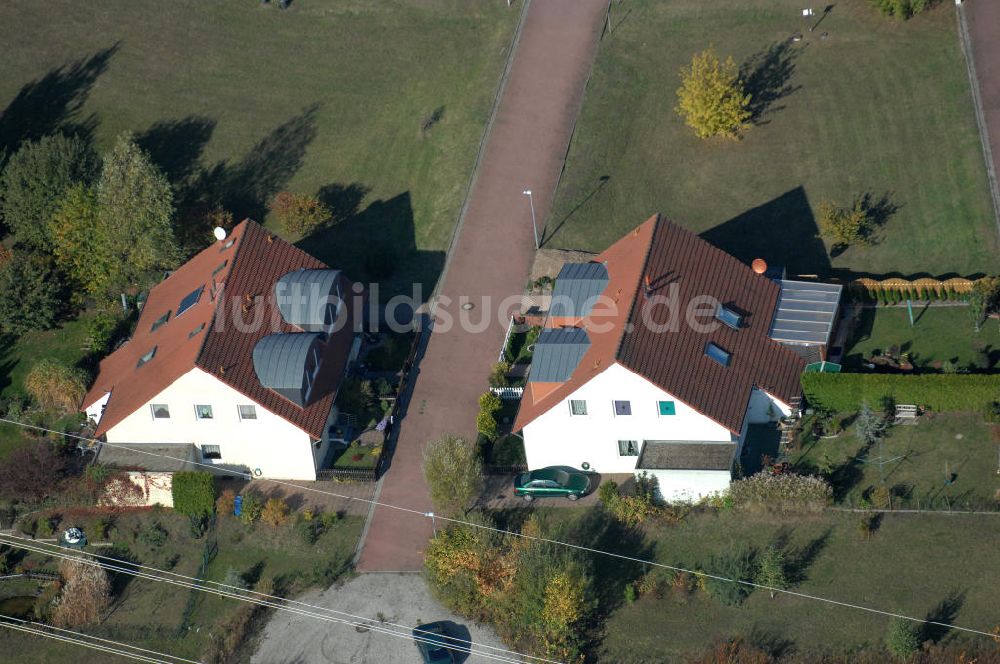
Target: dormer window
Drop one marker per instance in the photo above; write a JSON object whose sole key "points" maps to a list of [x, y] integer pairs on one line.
{"points": [[718, 354], [160, 321], [728, 317], [146, 358]]}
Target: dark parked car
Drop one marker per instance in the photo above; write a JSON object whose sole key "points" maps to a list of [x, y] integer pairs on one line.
{"points": [[552, 481], [432, 642]]}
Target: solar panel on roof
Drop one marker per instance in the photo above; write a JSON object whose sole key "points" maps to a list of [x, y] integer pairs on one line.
{"points": [[189, 300]]}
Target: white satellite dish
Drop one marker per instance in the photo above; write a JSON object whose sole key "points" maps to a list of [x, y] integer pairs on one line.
{"points": [[220, 233]]}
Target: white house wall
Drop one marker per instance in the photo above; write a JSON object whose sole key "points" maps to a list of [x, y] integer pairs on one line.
{"points": [[689, 485], [764, 408], [279, 449], [557, 438]]}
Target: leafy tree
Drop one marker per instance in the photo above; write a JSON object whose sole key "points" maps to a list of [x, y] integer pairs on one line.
{"points": [[75, 229], [299, 213], [846, 226], [193, 493], [486, 421], [984, 300], [901, 639], [86, 594], [711, 97], [453, 472], [869, 426], [56, 386], [771, 569], [35, 180], [134, 236], [31, 472], [32, 294]]}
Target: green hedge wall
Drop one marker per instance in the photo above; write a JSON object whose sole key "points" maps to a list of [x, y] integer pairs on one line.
{"points": [[844, 392], [194, 493]]}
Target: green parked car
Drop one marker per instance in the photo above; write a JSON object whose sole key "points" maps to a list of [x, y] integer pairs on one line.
{"points": [[552, 481]]}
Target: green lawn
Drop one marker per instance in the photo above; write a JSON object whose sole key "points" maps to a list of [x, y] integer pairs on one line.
{"points": [[378, 107], [918, 456], [940, 334], [910, 565], [67, 344], [149, 614], [879, 106]]}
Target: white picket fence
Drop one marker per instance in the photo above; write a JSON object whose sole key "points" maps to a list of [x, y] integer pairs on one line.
{"points": [[508, 393]]}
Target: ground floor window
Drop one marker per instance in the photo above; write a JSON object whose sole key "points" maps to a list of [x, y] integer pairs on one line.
{"points": [[211, 452], [577, 407], [628, 448]]}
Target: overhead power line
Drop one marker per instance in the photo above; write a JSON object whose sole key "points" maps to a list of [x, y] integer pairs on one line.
{"points": [[578, 547], [273, 601], [95, 643]]}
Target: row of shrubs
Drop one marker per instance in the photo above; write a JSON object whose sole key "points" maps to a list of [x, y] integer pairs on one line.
{"points": [[843, 392], [898, 296]]}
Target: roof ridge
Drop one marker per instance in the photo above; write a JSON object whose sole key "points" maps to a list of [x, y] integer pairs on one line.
{"points": [[635, 298], [250, 224]]}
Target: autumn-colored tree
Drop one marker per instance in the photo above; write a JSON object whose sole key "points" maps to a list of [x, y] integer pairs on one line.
{"points": [[275, 512], [486, 421], [75, 240], [56, 386], [562, 612], [711, 98], [845, 226], [453, 472], [86, 594], [134, 237], [299, 213]]}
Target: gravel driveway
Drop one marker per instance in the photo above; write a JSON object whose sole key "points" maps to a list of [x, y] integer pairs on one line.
{"points": [[401, 598]]}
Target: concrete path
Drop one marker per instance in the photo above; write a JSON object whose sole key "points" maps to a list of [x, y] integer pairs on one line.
{"points": [[489, 260], [982, 18], [402, 599]]}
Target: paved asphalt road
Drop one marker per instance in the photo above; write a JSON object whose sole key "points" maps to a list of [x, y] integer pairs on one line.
{"points": [[401, 598]]}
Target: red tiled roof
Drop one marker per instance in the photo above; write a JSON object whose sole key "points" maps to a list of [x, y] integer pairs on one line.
{"points": [[678, 261], [255, 261]]}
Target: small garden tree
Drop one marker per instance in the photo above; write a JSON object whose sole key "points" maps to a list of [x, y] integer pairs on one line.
{"points": [[453, 472], [846, 226], [32, 294], [275, 512], [870, 426], [901, 639], [486, 421], [193, 493], [56, 386], [711, 98], [299, 213], [771, 570]]}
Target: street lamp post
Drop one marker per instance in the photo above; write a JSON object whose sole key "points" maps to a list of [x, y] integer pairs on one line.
{"points": [[534, 223]]}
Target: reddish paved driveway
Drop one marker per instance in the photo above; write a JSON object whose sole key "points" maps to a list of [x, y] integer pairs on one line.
{"points": [[984, 29], [490, 260]]}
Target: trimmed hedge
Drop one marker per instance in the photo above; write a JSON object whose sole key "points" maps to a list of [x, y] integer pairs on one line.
{"points": [[194, 493], [844, 392]]}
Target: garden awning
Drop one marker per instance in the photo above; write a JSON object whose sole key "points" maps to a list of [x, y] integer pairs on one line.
{"points": [[806, 312]]}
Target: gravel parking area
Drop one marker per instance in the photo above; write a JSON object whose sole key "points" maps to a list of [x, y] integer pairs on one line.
{"points": [[403, 599]]}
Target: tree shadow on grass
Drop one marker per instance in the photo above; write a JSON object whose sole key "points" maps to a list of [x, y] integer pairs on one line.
{"points": [[175, 146], [53, 102], [940, 618], [782, 231], [375, 245], [246, 187], [766, 77], [800, 558]]}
